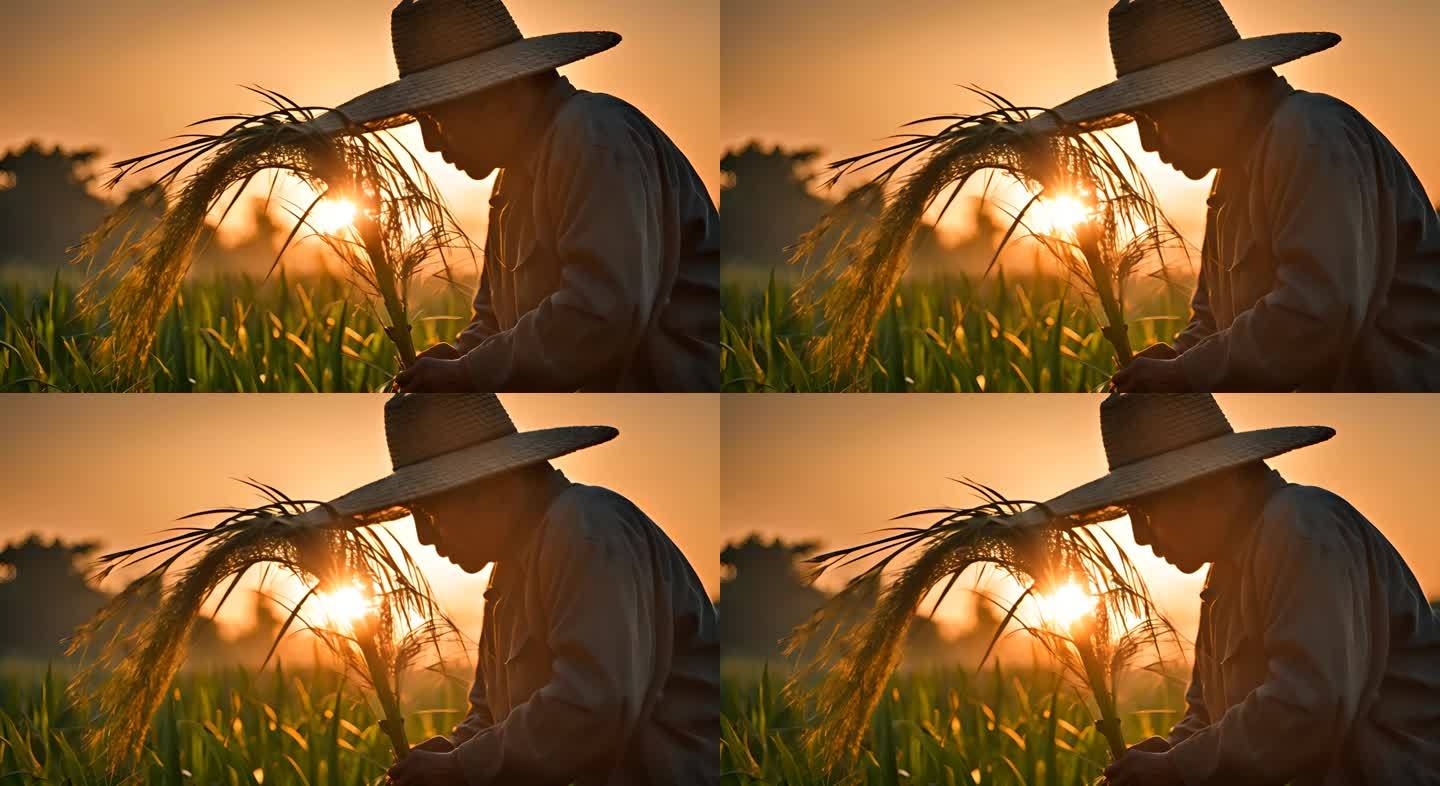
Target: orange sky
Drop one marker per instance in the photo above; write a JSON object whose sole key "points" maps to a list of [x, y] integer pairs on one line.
{"points": [[126, 76], [844, 74], [120, 468], [834, 468]]}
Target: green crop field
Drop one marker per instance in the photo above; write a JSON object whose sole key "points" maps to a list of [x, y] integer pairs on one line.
{"points": [[279, 727], [1007, 334], [946, 727], [233, 334]]}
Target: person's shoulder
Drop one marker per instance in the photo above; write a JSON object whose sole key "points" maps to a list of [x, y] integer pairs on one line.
{"points": [[596, 118], [1316, 117], [592, 514], [1297, 515]]}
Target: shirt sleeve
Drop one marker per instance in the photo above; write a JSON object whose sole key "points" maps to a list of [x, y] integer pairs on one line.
{"points": [[600, 185], [596, 615], [1319, 206], [1307, 585]]}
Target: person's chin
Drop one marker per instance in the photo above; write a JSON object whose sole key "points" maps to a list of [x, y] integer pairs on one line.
{"points": [[1192, 171], [476, 172], [469, 566], [1188, 567]]}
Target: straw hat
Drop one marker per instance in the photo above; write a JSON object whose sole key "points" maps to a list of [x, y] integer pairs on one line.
{"points": [[440, 442], [446, 49], [1156, 442], [1167, 48]]}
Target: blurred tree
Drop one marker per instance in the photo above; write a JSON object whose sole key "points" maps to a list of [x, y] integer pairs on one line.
{"points": [[768, 200], [45, 593], [764, 595], [46, 204], [44, 596]]}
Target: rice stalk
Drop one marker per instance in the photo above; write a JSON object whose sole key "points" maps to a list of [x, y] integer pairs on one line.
{"points": [[141, 633], [846, 678], [402, 226], [856, 280]]}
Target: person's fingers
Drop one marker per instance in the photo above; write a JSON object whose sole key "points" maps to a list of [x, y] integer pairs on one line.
{"points": [[442, 351], [436, 745], [1152, 745], [400, 773]]}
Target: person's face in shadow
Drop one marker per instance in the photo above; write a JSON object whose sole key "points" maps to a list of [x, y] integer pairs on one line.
{"points": [[1188, 525], [480, 133], [1195, 133], [471, 525]]}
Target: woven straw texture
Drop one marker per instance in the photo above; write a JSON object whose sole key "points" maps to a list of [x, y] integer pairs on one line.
{"points": [[439, 442], [434, 32], [1147, 33], [448, 49], [1164, 49], [1132, 426]]}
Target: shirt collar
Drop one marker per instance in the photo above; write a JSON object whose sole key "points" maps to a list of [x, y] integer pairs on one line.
{"points": [[1247, 138], [1247, 519]]}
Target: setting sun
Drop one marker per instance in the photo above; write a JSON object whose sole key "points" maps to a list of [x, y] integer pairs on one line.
{"points": [[332, 215], [1065, 606], [1060, 214], [341, 608]]}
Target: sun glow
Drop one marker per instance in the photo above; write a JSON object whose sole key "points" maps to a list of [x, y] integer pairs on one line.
{"points": [[1065, 606], [344, 606], [1060, 214], [332, 215]]}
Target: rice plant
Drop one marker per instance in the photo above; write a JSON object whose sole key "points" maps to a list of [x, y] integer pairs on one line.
{"points": [[1120, 228], [141, 632], [1095, 615], [293, 334], [1003, 726], [291, 725], [401, 226], [1030, 333]]}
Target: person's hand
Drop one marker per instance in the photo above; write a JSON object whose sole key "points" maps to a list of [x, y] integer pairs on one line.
{"points": [[442, 351], [1147, 375], [432, 375], [444, 745], [426, 768], [1148, 745], [1160, 351], [1143, 768]]}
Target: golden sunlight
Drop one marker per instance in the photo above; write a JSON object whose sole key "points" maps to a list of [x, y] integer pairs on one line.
{"points": [[332, 215], [341, 608], [1061, 214], [1065, 606]]}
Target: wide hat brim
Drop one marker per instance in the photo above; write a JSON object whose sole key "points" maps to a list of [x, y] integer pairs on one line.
{"points": [[1103, 499], [1110, 106], [394, 104], [388, 498]]}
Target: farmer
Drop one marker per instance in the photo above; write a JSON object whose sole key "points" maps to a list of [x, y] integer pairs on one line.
{"points": [[1317, 660], [599, 654], [601, 261], [1320, 269]]}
